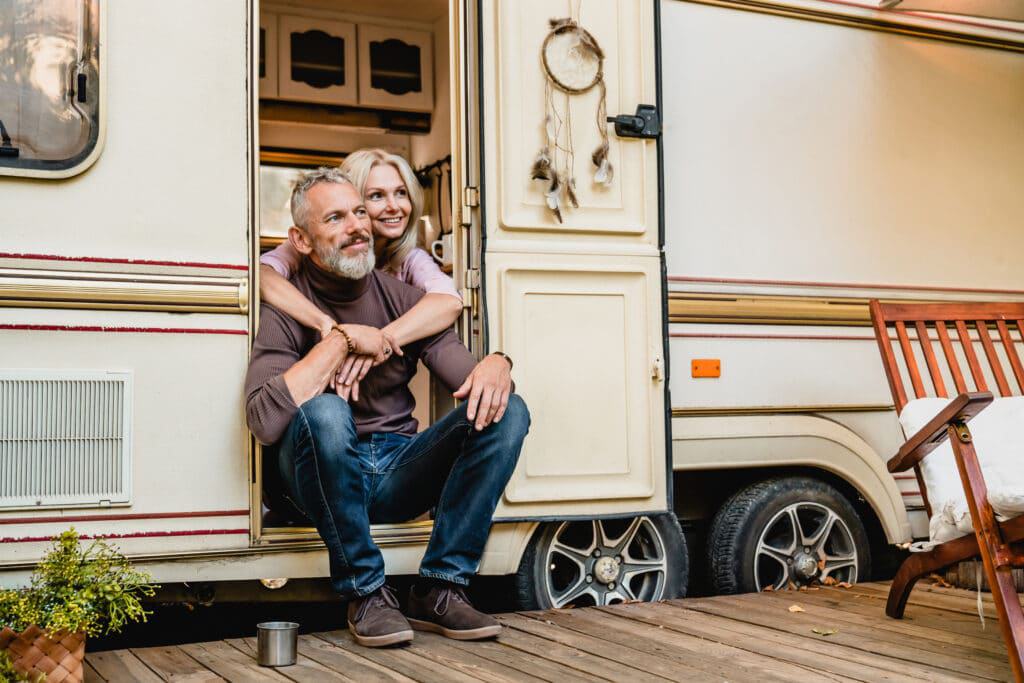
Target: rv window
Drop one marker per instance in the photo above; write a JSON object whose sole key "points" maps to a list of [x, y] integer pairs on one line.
{"points": [[49, 85]]}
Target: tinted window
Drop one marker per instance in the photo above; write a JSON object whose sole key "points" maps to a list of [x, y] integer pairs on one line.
{"points": [[49, 83]]}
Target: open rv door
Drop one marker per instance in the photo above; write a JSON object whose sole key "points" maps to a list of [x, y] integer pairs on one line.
{"points": [[578, 304]]}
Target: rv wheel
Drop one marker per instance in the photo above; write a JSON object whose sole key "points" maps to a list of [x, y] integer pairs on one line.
{"points": [[603, 562], [785, 533]]}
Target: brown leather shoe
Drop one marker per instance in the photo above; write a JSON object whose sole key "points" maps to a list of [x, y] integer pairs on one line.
{"points": [[447, 611], [375, 620]]}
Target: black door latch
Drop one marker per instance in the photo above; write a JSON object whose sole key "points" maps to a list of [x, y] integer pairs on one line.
{"points": [[644, 124]]}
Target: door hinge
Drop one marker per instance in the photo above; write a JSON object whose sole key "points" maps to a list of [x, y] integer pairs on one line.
{"points": [[472, 278], [658, 370], [471, 197]]}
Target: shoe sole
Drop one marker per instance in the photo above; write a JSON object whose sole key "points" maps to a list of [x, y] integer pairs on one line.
{"points": [[396, 638], [463, 634]]}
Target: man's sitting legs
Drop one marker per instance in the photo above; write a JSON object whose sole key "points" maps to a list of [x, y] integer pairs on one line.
{"points": [[321, 471]]}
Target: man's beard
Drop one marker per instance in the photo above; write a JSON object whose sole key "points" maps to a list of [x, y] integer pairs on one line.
{"points": [[348, 267]]}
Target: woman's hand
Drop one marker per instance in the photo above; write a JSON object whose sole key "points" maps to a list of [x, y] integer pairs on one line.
{"points": [[487, 388], [370, 341]]}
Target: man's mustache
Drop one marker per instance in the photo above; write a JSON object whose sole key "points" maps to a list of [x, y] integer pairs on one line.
{"points": [[358, 238]]}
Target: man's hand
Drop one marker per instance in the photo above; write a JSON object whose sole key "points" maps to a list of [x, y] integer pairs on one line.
{"points": [[487, 388]]}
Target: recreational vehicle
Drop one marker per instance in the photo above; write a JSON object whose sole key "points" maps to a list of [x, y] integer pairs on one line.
{"points": [[670, 213]]}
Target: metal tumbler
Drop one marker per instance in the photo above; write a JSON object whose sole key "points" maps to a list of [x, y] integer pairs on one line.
{"points": [[276, 643]]}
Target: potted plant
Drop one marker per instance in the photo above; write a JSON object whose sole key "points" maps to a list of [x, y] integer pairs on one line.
{"points": [[76, 591]]}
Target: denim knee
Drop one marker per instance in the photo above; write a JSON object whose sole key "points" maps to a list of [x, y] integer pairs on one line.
{"points": [[328, 418], [515, 423]]}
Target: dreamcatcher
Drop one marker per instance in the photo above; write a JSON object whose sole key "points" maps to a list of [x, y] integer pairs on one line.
{"points": [[573, 64]]}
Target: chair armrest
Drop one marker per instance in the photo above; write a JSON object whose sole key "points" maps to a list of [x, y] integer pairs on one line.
{"points": [[962, 408]]}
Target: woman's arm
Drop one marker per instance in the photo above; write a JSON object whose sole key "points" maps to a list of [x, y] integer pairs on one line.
{"points": [[432, 314], [282, 295]]}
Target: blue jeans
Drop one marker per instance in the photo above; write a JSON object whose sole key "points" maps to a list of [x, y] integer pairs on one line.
{"points": [[344, 483]]}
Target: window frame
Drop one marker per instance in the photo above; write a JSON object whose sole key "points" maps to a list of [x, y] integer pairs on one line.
{"points": [[87, 157]]}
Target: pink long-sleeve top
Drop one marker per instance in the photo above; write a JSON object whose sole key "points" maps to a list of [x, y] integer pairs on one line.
{"points": [[418, 269]]}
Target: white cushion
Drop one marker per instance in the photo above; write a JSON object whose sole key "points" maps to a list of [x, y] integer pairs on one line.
{"points": [[998, 433]]}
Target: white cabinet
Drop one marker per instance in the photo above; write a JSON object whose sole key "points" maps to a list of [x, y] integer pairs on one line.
{"points": [[268, 55], [396, 68], [316, 60]]}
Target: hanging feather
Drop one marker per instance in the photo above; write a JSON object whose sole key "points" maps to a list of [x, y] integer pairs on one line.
{"points": [[556, 24], [541, 166], [554, 197], [570, 192], [590, 43], [605, 172]]}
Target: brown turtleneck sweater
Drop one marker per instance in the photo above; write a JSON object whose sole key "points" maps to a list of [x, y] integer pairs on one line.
{"points": [[385, 403]]}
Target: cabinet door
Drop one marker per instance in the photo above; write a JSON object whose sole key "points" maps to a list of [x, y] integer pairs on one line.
{"points": [[578, 303], [316, 60], [268, 55], [396, 68]]}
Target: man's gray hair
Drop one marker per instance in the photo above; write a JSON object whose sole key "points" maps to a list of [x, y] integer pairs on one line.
{"points": [[324, 174]]}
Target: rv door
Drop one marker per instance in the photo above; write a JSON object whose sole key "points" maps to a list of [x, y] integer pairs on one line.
{"points": [[577, 302]]}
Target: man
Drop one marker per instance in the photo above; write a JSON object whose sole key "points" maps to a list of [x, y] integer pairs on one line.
{"points": [[349, 463]]}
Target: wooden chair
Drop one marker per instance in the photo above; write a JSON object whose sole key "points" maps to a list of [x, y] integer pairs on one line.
{"points": [[1000, 544]]}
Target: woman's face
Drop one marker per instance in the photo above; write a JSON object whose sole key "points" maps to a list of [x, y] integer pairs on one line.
{"points": [[387, 201]]}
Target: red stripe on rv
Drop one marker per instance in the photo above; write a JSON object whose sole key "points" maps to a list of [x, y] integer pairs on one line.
{"points": [[125, 516], [101, 328], [141, 262], [137, 534], [843, 285]]}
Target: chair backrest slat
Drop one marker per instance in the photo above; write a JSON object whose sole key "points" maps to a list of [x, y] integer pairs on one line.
{"points": [[908, 356], [993, 357], [972, 358], [951, 360], [929, 358], [892, 373], [1011, 352]]}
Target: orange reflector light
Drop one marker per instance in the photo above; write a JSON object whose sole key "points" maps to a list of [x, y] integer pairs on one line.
{"points": [[706, 367]]}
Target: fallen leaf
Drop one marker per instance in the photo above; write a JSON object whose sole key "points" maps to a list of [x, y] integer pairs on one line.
{"points": [[829, 581], [768, 589], [825, 631], [803, 589], [796, 608], [791, 586], [844, 584], [939, 581]]}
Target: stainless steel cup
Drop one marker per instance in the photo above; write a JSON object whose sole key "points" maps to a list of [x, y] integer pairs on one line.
{"points": [[276, 643]]}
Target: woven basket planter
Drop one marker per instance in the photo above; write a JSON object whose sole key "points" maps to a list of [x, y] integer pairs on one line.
{"points": [[33, 652]]}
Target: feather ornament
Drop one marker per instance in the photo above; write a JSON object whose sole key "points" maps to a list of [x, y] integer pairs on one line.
{"points": [[554, 197], [605, 172], [570, 192], [541, 169], [556, 24]]}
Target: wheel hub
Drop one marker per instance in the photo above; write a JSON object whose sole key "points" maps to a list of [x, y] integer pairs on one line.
{"points": [[805, 566], [606, 569]]}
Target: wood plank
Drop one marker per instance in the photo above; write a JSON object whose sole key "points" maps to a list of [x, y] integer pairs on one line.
{"points": [[900, 626], [171, 663], [951, 359], [528, 662], [717, 659], [814, 654], [961, 310], [972, 357], [305, 670], [222, 659], [867, 639], [399, 659], [946, 602], [993, 358], [1011, 353], [603, 649], [350, 665], [911, 361], [439, 649], [954, 622], [90, 675], [121, 666], [929, 358]]}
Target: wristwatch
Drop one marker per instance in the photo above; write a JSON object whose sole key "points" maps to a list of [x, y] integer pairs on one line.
{"points": [[503, 355]]}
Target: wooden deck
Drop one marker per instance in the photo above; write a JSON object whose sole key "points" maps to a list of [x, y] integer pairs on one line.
{"points": [[834, 635]]}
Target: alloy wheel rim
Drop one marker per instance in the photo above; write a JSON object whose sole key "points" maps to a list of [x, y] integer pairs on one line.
{"points": [[802, 544], [604, 562]]}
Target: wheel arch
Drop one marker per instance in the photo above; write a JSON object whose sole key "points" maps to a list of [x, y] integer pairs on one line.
{"points": [[798, 444]]}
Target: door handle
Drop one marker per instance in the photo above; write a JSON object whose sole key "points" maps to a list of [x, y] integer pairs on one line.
{"points": [[645, 123]]}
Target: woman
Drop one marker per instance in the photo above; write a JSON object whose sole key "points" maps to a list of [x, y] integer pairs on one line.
{"points": [[394, 203]]}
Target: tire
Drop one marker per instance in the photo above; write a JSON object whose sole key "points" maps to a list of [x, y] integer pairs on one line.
{"points": [[752, 541], [554, 570]]}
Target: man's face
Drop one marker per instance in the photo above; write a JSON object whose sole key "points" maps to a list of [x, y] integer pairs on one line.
{"points": [[337, 231]]}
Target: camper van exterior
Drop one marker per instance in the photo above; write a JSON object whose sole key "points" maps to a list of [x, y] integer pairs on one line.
{"points": [[693, 339]]}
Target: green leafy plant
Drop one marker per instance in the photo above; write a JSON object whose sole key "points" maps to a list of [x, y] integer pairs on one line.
{"points": [[76, 587]]}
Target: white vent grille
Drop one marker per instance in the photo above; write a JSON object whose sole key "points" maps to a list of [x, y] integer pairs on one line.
{"points": [[64, 438]]}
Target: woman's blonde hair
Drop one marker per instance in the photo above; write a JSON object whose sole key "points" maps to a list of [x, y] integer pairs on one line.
{"points": [[357, 167]]}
